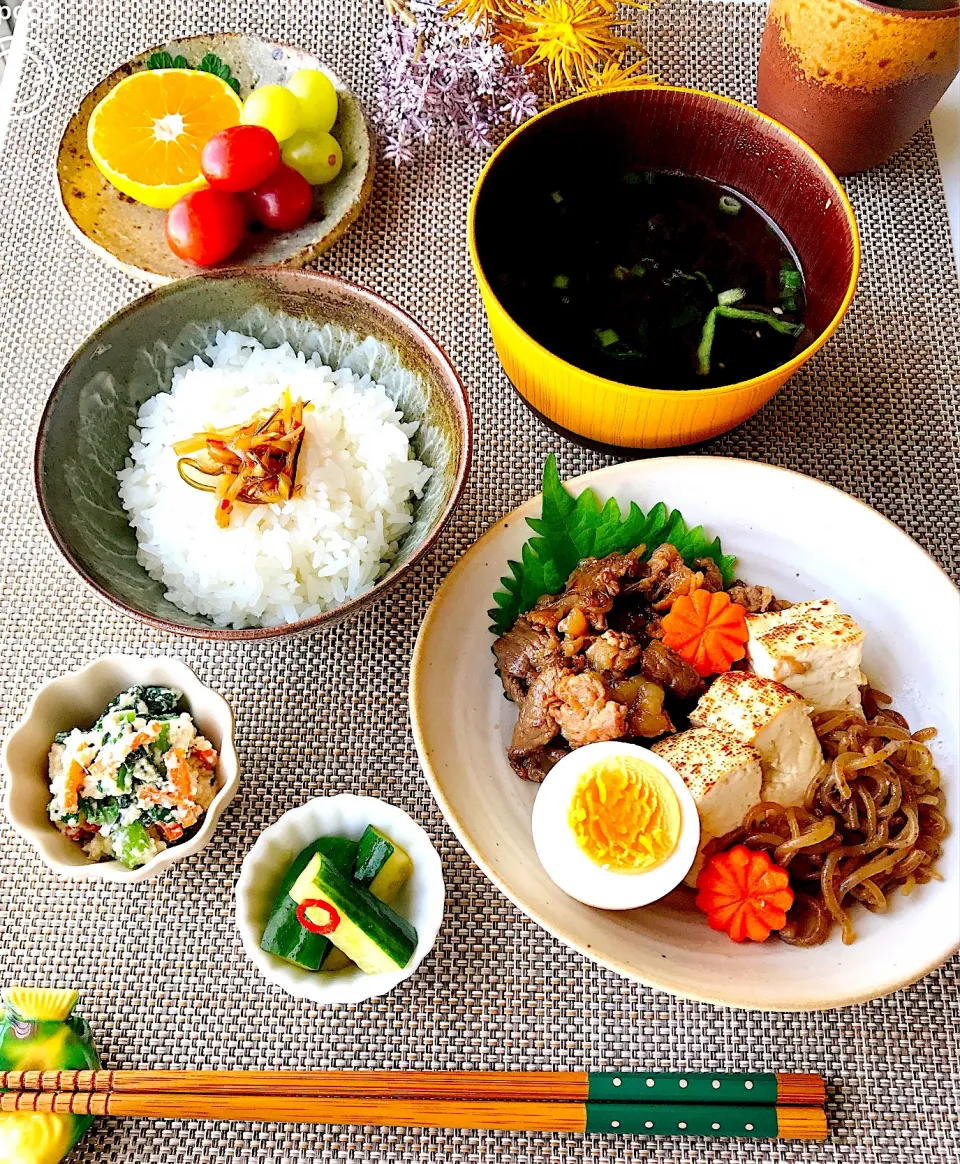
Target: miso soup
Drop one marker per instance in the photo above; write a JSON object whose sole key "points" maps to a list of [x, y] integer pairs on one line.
{"points": [[658, 279]]}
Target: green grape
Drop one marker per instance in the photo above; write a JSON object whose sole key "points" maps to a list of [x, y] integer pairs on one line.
{"points": [[273, 107], [318, 99], [317, 156]]}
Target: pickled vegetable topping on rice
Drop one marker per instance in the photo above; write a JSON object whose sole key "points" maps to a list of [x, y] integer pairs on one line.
{"points": [[254, 462], [136, 781]]}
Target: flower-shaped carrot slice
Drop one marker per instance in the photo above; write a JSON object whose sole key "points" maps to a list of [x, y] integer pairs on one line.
{"points": [[744, 894], [708, 630]]}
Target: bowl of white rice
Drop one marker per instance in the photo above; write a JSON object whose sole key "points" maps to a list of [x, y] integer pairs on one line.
{"points": [[383, 456]]}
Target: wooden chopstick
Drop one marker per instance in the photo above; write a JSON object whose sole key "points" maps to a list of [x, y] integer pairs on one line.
{"points": [[653, 1119], [552, 1086]]}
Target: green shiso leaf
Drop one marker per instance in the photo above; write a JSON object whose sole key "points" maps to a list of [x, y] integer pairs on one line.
{"points": [[570, 528]]}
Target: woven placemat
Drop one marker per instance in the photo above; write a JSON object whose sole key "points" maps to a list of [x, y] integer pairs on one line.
{"points": [[160, 968]]}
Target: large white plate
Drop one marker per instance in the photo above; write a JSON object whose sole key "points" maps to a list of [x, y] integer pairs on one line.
{"points": [[806, 540]]}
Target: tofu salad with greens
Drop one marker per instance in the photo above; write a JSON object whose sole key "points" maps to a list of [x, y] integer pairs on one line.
{"points": [[136, 781]]}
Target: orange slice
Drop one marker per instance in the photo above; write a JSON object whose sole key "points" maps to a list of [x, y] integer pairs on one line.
{"points": [[147, 133]]}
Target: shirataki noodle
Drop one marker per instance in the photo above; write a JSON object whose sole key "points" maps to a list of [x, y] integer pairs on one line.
{"points": [[872, 821]]}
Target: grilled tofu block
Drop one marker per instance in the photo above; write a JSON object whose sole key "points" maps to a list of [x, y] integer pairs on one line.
{"points": [[771, 718], [812, 648], [723, 775]]}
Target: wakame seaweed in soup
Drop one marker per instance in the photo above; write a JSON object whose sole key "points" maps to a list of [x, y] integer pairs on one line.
{"points": [[657, 279]]}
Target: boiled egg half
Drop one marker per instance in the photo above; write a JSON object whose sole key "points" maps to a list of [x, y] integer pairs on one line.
{"points": [[615, 826]]}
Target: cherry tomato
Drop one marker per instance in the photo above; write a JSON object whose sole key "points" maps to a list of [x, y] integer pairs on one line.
{"points": [[205, 227], [283, 201], [239, 158]]}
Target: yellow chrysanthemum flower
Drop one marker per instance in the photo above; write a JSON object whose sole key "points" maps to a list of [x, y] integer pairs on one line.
{"points": [[571, 40], [616, 75]]}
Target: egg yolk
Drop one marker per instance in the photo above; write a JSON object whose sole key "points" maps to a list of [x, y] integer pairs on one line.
{"points": [[625, 815]]}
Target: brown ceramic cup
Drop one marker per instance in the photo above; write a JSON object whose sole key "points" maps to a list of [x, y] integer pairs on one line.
{"points": [[857, 79]]}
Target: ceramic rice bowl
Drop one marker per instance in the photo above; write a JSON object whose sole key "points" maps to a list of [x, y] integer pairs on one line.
{"points": [[84, 436]]}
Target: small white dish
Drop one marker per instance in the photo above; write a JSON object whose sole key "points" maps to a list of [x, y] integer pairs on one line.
{"points": [[77, 699], [420, 901]]}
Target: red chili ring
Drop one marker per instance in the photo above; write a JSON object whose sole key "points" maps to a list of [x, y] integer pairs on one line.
{"points": [[317, 903]]}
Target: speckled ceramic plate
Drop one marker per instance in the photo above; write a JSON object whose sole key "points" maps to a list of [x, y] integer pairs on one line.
{"points": [[804, 539], [129, 236]]}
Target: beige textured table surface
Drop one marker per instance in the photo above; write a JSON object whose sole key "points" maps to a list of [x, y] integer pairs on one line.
{"points": [[162, 974]]}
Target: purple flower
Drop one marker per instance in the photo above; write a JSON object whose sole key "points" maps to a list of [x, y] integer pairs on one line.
{"points": [[397, 151], [519, 106], [444, 77], [477, 133]]}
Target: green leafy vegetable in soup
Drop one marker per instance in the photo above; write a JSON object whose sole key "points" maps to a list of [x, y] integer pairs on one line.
{"points": [[136, 781], [630, 275]]}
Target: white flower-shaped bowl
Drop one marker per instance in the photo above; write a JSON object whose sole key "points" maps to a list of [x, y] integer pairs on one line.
{"points": [[77, 699], [420, 900]]}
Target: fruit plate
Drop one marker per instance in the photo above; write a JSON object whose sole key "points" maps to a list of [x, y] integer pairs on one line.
{"points": [[805, 540], [128, 235]]}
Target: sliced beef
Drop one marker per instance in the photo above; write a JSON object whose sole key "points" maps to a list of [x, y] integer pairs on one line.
{"points": [[755, 599], [671, 577], [664, 666], [585, 713], [664, 578], [643, 698], [606, 574], [631, 617], [712, 577], [615, 652], [654, 571], [536, 725], [590, 664], [521, 653], [514, 688], [536, 766], [591, 589]]}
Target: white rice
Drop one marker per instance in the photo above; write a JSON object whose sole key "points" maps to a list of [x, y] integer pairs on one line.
{"points": [[274, 564]]}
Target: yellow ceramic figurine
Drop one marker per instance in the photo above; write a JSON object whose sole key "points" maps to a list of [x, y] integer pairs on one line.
{"points": [[38, 1030]]}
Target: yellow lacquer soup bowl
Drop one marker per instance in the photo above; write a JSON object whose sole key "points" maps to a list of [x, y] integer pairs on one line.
{"points": [[688, 132]]}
